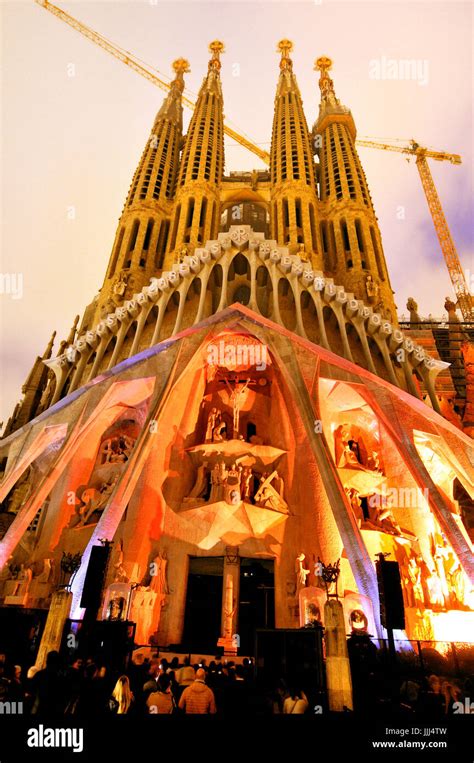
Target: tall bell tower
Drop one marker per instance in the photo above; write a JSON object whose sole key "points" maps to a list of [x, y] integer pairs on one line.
{"points": [[142, 233], [196, 210], [351, 241], [293, 186]]}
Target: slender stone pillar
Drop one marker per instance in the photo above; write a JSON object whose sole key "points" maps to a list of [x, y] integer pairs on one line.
{"points": [[338, 671], [230, 597], [53, 630]]}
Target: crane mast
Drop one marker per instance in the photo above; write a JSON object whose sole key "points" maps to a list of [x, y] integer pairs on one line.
{"points": [[464, 298], [131, 61]]}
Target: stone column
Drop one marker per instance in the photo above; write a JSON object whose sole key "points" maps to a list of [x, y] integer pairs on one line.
{"points": [[53, 630], [338, 671], [230, 602]]}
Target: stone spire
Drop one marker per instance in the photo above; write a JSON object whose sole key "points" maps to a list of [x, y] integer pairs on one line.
{"points": [[195, 217], [171, 108], [351, 241], [328, 96], [32, 390], [142, 232], [293, 187], [49, 349], [72, 332]]}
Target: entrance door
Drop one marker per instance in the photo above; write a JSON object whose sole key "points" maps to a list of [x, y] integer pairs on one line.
{"points": [[202, 620], [257, 601]]}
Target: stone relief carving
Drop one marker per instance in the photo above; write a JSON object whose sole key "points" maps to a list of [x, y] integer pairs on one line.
{"points": [[90, 500]]}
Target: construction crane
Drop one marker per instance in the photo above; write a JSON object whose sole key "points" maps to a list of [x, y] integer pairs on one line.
{"points": [[464, 298], [144, 70]]}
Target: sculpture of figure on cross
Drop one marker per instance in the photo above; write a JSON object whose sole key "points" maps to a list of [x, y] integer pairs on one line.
{"points": [[237, 397]]}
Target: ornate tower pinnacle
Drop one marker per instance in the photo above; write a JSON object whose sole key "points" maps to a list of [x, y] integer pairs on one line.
{"points": [[326, 85], [293, 187], [49, 348], [72, 332], [216, 47], [171, 107], [195, 214], [181, 66], [329, 103], [285, 47], [351, 240]]}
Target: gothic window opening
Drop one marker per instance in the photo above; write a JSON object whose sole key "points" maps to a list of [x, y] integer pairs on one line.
{"points": [[132, 241], [242, 294], [113, 264], [189, 221], [149, 229], [202, 220], [378, 258], [298, 213], [213, 220], [312, 223], [286, 219], [345, 236], [275, 221], [161, 242], [175, 227]]}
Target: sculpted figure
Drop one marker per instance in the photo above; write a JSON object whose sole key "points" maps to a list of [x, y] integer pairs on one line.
{"points": [[120, 575], [218, 477], [450, 308], [302, 253], [246, 483], [301, 572], [349, 457], [237, 398], [232, 485], [413, 308], [374, 462], [267, 495], [200, 486], [23, 581], [380, 513], [158, 580], [341, 439], [440, 556], [93, 499], [372, 289], [457, 585], [107, 308], [354, 500], [120, 450], [119, 285], [220, 430], [44, 575], [435, 588], [414, 576], [214, 414]]}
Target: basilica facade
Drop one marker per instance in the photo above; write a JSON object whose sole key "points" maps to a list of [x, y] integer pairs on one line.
{"points": [[238, 406]]}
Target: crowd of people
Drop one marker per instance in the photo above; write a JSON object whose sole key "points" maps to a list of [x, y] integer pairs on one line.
{"points": [[148, 686], [380, 685], [152, 685]]}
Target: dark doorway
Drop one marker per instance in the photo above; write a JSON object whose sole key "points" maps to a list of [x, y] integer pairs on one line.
{"points": [[257, 601], [21, 630], [202, 621], [251, 430]]}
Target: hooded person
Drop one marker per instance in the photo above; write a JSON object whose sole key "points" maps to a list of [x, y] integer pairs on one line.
{"points": [[198, 699]]}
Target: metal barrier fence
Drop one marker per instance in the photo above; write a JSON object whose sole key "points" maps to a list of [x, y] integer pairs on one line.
{"points": [[418, 659]]}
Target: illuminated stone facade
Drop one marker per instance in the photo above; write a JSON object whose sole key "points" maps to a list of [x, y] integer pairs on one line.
{"points": [[241, 395]]}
